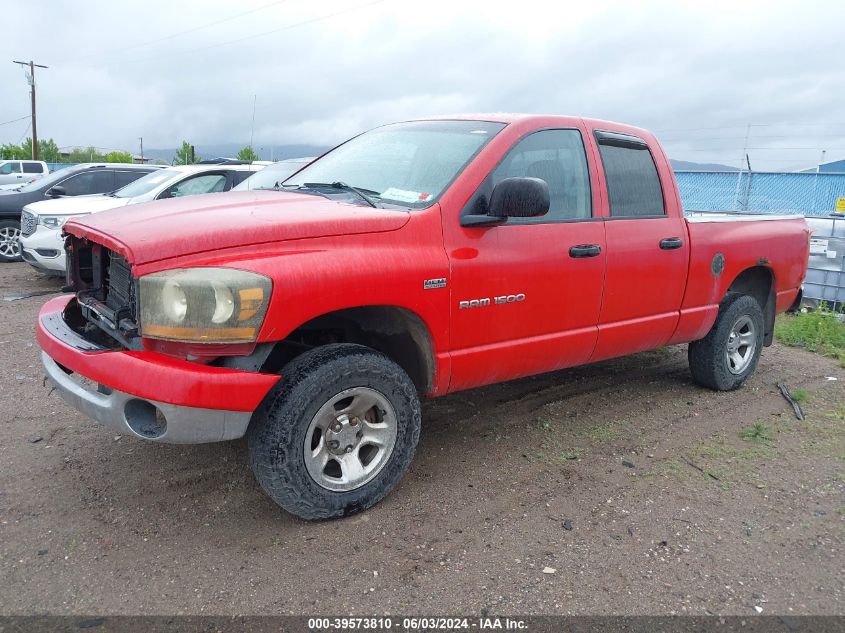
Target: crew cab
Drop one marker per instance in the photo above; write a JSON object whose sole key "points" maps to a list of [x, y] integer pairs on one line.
{"points": [[417, 259], [41, 240], [20, 172]]}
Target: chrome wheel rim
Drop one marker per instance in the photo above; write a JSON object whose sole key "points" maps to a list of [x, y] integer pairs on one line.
{"points": [[10, 245], [742, 343], [350, 439]]}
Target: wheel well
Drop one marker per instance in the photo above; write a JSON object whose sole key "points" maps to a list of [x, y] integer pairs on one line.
{"points": [[758, 282], [397, 333]]}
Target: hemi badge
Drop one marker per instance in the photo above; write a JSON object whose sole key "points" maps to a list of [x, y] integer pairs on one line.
{"points": [[430, 284]]}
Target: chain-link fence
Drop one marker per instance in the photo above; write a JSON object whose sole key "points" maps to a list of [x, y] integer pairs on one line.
{"points": [[807, 193]]}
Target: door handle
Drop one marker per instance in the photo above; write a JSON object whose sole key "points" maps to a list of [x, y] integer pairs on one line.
{"points": [[671, 243], [584, 250]]}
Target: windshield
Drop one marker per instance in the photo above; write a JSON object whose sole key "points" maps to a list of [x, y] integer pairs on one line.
{"points": [[409, 164], [147, 183], [272, 176]]}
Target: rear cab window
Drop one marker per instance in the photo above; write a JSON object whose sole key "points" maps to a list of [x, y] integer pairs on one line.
{"points": [[33, 168], [633, 185]]}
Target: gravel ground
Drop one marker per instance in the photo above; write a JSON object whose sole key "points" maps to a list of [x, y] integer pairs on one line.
{"points": [[629, 482]]}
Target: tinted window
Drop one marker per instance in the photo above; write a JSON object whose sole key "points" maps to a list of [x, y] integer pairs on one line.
{"points": [[239, 176], [558, 157], [99, 181], [10, 168], [632, 181], [123, 178], [32, 168]]}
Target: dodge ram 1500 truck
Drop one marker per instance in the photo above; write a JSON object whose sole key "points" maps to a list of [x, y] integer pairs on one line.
{"points": [[419, 258]]}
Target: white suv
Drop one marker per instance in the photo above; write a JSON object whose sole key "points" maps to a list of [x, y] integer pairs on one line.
{"points": [[41, 241], [20, 172]]}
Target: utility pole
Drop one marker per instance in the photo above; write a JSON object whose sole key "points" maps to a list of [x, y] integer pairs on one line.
{"points": [[31, 78], [252, 131], [141, 138]]}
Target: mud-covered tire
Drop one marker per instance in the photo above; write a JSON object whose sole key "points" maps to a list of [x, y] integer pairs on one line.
{"points": [[10, 248], [709, 360], [278, 430]]}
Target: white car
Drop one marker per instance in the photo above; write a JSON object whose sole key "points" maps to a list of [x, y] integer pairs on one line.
{"points": [[21, 172], [41, 241]]}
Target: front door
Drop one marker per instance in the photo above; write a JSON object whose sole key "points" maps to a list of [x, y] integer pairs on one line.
{"points": [[525, 295]]}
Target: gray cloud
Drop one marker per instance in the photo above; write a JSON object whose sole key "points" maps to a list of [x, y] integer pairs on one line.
{"points": [[695, 73]]}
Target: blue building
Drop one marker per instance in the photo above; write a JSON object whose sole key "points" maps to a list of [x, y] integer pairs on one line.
{"points": [[829, 167]]}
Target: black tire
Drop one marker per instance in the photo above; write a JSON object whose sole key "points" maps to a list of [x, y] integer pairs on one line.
{"points": [[708, 357], [6, 228], [277, 432]]}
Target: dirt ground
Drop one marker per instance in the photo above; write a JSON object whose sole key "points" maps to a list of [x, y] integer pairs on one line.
{"points": [[594, 472]]}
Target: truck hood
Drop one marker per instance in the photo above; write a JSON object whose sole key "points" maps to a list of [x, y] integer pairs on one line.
{"points": [[195, 224], [72, 205]]}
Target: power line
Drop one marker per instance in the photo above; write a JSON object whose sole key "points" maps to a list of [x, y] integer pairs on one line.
{"points": [[256, 35], [15, 120], [179, 33]]}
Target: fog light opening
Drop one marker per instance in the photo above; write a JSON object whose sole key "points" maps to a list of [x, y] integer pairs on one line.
{"points": [[145, 419]]}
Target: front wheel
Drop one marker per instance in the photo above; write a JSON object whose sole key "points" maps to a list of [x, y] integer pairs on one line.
{"points": [[337, 433], [10, 245], [725, 358]]}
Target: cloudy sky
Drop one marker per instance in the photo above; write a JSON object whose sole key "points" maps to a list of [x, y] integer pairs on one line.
{"points": [[321, 70]]}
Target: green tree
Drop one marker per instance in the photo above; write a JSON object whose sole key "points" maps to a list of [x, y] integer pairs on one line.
{"points": [[183, 156], [87, 155], [12, 152], [247, 153], [47, 150], [118, 157]]}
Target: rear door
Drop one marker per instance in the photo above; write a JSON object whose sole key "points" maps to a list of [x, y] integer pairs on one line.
{"points": [[647, 250]]}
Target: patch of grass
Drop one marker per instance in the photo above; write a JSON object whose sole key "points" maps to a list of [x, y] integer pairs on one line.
{"points": [[820, 331], [571, 453], [604, 432], [759, 433], [800, 395]]}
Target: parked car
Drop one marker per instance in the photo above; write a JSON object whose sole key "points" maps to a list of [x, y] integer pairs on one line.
{"points": [[22, 171], [423, 257], [41, 240], [78, 180], [274, 174]]}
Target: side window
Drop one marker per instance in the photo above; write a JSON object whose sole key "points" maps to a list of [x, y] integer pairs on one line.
{"points": [[558, 157], [123, 178], [632, 181], [205, 183], [99, 181], [10, 168], [32, 168], [239, 176]]}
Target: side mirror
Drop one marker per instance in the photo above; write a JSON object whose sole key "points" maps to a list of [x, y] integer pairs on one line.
{"points": [[513, 198], [56, 191], [520, 198]]}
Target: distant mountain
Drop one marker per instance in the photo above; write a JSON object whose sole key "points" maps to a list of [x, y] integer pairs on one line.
{"points": [[685, 165], [230, 150]]}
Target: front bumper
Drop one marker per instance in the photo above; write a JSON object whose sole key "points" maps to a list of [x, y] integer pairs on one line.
{"points": [[44, 250], [147, 394]]}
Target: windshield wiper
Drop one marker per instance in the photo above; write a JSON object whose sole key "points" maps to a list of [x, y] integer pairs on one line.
{"points": [[342, 186]]}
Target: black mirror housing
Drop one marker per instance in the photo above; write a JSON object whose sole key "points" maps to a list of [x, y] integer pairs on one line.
{"points": [[520, 198], [56, 191]]}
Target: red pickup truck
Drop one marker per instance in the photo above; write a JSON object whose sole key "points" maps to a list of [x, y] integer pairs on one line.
{"points": [[419, 258]]}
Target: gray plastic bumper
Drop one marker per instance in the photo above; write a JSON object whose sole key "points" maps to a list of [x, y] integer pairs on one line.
{"points": [[146, 419]]}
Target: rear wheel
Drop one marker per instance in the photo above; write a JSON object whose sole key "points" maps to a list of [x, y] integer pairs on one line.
{"points": [[725, 358], [337, 433], [10, 246]]}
